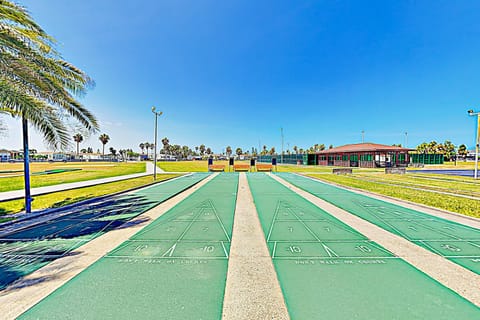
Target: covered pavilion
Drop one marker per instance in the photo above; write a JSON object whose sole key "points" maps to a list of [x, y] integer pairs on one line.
{"points": [[365, 155]]}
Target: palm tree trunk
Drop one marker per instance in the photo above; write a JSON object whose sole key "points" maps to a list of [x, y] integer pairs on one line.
{"points": [[103, 152], [26, 167], [78, 143]]}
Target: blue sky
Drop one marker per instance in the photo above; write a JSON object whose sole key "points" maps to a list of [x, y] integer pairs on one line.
{"points": [[235, 72]]}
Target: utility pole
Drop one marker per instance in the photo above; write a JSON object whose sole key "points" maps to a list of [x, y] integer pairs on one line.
{"points": [[157, 114], [363, 136], [477, 140], [26, 166], [281, 158], [406, 139]]}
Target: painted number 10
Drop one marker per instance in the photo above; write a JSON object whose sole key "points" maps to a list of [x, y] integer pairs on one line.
{"points": [[294, 249], [208, 248]]}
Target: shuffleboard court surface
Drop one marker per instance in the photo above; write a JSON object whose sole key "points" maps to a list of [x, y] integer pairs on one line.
{"points": [[327, 270], [175, 268], [25, 250], [454, 241]]}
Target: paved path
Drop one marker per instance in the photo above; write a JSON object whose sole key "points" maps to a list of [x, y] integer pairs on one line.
{"points": [[18, 194]]}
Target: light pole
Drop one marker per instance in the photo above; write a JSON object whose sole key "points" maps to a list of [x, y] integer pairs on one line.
{"points": [[157, 114], [281, 131], [26, 166], [363, 136], [477, 139], [406, 139]]}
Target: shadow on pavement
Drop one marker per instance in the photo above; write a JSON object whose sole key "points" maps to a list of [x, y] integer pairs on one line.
{"points": [[27, 249]]}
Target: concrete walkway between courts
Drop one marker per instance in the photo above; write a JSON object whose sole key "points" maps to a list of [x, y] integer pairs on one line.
{"points": [[18, 194]]}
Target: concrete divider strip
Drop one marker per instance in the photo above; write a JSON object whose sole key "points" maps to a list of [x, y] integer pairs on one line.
{"points": [[252, 290]]}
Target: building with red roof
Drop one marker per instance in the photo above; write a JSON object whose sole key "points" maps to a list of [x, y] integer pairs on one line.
{"points": [[365, 155]]}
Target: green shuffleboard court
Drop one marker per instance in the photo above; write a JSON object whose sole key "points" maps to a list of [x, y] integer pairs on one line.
{"points": [[175, 268], [24, 250], [454, 241], [327, 270]]}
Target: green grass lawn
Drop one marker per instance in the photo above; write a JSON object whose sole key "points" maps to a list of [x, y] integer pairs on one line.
{"points": [[92, 170], [373, 183], [443, 183], [63, 198], [187, 166], [202, 166]]}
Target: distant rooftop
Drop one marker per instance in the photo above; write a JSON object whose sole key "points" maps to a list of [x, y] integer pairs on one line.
{"points": [[364, 147]]}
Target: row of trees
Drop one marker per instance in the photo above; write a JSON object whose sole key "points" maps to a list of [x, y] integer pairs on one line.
{"points": [[104, 139], [447, 148], [176, 149]]}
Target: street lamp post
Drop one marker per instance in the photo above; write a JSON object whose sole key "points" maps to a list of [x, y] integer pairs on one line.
{"points": [[26, 167], [281, 131], [477, 139], [157, 114]]}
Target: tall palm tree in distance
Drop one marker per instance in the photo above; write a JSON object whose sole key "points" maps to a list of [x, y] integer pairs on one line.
{"points": [[78, 138], [165, 143], [36, 85], [142, 147], [104, 138], [147, 146]]}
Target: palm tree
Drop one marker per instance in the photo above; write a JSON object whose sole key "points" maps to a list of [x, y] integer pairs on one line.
{"points": [[104, 138], [165, 143], [228, 150], [113, 152], [462, 150], [202, 149], [37, 85], [147, 146], [295, 148], [78, 138], [152, 147], [239, 151], [142, 147]]}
